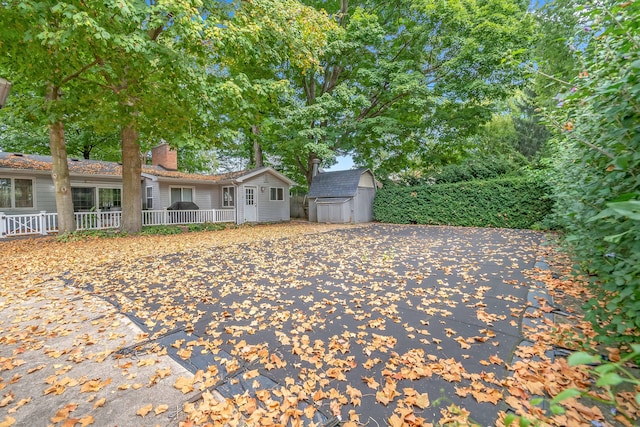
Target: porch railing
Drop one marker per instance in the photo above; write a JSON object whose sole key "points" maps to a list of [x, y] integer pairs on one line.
{"points": [[44, 222]]}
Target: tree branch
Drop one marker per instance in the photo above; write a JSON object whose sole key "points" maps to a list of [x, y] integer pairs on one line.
{"points": [[382, 107], [80, 71], [155, 32]]}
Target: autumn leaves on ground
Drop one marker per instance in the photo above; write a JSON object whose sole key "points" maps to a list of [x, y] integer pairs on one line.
{"points": [[290, 324]]}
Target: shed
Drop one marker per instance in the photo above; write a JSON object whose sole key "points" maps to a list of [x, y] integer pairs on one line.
{"points": [[342, 197]]}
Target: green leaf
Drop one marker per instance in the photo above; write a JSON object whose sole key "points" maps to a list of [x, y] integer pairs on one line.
{"points": [[609, 379], [510, 418], [523, 422], [630, 209], [582, 358], [616, 237], [566, 394]]}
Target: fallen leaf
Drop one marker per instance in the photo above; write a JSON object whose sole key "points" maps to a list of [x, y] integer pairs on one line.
{"points": [[160, 409], [144, 410]]}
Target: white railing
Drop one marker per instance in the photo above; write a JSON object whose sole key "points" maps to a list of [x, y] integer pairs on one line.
{"points": [[98, 220], [165, 217], [44, 223]]}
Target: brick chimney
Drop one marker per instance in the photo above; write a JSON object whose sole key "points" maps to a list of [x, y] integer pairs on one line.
{"points": [[164, 156]]}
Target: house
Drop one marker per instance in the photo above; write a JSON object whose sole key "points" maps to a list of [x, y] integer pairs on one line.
{"points": [[257, 195], [342, 196]]}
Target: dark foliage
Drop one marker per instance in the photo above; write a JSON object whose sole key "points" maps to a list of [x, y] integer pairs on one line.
{"points": [[510, 203]]}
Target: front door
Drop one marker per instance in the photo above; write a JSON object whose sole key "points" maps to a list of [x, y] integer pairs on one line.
{"points": [[250, 204]]}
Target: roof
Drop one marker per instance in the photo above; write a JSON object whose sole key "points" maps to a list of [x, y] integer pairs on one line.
{"points": [[336, 184], [332, 201], [36, 162]]}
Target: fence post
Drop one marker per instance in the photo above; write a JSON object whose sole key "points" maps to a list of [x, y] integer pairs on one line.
{"points": [[99, 220], [165, 220], [43, 223], [3, 225]]}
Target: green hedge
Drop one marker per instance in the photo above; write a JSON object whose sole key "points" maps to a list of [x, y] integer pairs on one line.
{"points": [[508, 202]]}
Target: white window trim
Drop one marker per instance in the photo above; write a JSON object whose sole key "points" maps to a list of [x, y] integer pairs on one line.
{"points": [[97, 187], [193, 192], [107, 187], [146, 196], [276, 199], [235, 196], [13, 192]]}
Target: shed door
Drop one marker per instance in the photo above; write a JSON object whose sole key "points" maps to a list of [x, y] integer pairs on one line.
{"points": [[250, 204]]}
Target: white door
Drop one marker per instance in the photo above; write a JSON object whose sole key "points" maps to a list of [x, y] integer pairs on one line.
{"points": [[250, 205]]}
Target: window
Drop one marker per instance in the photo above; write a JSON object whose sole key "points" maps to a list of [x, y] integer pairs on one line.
{"points": [[276, 193], [109, 198], [149, 197], [89, 198], [16, 193], [181, 194], [228, 196], [84, 198]]}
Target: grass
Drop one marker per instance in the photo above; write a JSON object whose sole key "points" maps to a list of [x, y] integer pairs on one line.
{"points": [[152, 230]]}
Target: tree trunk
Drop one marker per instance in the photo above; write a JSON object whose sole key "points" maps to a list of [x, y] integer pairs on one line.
{"points": [[131, 187], [60, 171], [86, 151], [257, 148]]}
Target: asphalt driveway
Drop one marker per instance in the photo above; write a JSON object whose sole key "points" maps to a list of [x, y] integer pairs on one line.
{"points": [[364, 324]]}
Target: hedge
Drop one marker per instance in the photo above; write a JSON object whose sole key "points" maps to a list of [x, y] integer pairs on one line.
{"points": [[517, 202]]}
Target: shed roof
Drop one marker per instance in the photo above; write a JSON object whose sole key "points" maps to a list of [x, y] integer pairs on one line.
{"points": [[36, 162], [336, 184]]}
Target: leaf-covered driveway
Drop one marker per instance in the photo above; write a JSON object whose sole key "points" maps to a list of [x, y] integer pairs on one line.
{"points": [[378, 324]]}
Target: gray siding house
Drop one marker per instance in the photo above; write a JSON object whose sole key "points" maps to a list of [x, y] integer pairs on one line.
{"points": [[257, 195], [342, 197]]}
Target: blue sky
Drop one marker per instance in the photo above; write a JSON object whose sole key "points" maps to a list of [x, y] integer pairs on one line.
{"points": [[344, 163]]}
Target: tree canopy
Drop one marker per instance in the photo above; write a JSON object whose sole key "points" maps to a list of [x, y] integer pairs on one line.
{"points": [[400, 81]]}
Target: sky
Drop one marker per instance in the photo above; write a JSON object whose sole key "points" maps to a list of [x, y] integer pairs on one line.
{"points": [[344, 163]]}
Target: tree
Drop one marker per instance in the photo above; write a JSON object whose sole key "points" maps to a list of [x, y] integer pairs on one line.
{"points": [[400, 80], [20, 135], [139, 66], [44, 54], [260, 40]]}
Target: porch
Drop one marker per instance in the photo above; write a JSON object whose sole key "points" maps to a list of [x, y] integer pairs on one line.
{"points": [[44, 223]]}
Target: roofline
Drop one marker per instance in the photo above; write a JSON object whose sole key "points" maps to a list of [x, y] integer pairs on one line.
{"points": [[47, 172], [267, 169], [171, 179]]}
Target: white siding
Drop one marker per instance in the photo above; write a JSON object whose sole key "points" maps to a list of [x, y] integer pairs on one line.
{"points": [[366, 180], [155, 185], [204, 195], [216, 198], [240, 205], [363, 205], [45, 195], [270, 210], [44, 192], [338, 212]]}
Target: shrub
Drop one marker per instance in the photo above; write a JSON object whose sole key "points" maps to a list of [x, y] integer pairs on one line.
{"points": [[474, 169], [509, 202], [597, 165]]}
